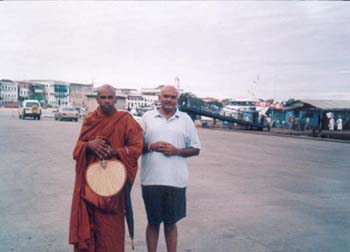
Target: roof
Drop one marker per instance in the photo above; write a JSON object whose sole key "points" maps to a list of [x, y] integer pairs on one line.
{"points": [[328, 104], [5, 80], [81, 84], [135, 96], [315, 104]]}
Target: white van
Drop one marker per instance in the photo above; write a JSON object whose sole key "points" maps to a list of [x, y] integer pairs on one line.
{"points": [[30, 108]]}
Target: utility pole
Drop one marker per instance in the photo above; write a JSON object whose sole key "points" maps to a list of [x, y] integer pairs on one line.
{"points": [[177, 82]]}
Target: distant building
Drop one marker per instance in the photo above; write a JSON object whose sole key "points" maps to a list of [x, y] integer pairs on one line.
{"points": [[56, 92], [126, 91], [151, 91], [121, 102], [315, 110], [78, 94], [37, 92], [134, 101], [151, 100], [23, 90], [91, 103], [8, 92], [31, 90], [139, 101]]}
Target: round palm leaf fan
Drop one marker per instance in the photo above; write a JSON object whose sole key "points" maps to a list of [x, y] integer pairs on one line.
{"points": [[106, 177]]}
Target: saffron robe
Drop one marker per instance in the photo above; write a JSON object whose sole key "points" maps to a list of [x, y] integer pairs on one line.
{"points": [[93, 229]]}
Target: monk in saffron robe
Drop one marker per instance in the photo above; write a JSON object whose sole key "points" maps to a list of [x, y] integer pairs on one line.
{"points": [[97, 223]]}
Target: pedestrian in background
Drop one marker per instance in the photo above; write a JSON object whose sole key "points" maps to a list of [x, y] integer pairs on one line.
{"points": [[331, 123], [339, 124], [268, 122], [169, 138], [97, 224], [290, 122], [307, 123], [297, 124]]}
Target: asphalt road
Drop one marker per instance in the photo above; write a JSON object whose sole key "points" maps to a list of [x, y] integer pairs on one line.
{"points": [[247, 192]]}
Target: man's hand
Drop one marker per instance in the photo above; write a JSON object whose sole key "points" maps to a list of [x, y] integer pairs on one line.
{"points": [[101, 148], [164, 147], [170, 150]]}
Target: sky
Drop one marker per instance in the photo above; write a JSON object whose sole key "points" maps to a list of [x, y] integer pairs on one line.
{"points": [[277, 50]]}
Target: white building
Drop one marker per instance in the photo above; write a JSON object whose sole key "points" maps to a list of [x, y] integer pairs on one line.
{"points": [[127, 91], [78, 94], [24, 90], [136, 99], [56, 92], [151, 91], [8, 92], [139, 101]]}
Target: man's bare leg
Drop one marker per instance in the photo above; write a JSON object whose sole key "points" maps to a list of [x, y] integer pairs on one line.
{"points": [[152, 234], [170, 233]]}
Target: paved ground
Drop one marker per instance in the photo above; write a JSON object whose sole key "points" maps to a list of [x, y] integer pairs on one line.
{"points": [[247, 193]]}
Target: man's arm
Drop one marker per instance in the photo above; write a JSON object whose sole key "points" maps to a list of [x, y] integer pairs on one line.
{"points": [[188, 152], [170, 150], [156, 146]]}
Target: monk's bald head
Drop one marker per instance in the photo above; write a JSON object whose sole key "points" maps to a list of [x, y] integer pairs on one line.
{"points": [[105, 87], [106, 99], [169, 89]]}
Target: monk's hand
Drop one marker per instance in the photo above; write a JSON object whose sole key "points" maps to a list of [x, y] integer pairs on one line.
{"points": [[100, 147], [168, 149], [111, 152]]}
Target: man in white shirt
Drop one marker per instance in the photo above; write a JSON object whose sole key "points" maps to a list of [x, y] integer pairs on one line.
{"points": [[169, 138]]}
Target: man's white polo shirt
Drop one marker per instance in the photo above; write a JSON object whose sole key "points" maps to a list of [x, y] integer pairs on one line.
{"points": [[179, 130]]}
